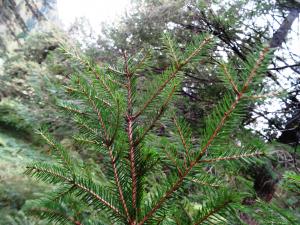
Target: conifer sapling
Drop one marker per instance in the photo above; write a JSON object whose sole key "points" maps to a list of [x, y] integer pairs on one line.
{"points": [[146, 178]]}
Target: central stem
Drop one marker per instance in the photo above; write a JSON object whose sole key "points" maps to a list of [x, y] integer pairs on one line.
{"points": [[130, 123]]}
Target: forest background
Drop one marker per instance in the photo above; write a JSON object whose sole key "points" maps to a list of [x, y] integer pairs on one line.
{"points": [[33, 68]]}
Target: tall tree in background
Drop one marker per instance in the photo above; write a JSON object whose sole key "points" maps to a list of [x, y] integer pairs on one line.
{"points": [[18, 18]]}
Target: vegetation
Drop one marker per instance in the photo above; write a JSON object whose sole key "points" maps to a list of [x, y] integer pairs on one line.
{"points": [[117, 119], [166, 119]]}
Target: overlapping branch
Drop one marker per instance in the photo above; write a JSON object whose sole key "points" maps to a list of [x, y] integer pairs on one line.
{"points": [[173, 75], [180, 180], [42, 173]]}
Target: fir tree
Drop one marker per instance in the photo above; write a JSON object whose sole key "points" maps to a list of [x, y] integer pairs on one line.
{"points": [[147, 176]]}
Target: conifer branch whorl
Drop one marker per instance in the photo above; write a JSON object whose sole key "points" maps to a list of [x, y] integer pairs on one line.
{"points": [[145, 174], [219, 126]]}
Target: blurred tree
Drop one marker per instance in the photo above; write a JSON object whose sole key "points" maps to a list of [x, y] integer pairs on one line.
{"points": [[29, 80], [18, 18]]}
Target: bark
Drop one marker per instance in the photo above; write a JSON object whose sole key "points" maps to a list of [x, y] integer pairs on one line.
{"points": [[34, 10], [11, 8], [280, 35]]}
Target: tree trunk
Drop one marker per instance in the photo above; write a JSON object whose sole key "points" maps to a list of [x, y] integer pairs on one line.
{"points": [[280, 35]]}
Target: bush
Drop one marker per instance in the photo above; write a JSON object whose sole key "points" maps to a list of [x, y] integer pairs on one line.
{"points": [[16, 116]]}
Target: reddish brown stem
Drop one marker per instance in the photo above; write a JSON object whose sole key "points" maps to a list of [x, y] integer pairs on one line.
{"points": [[130, 121], [117, 180]]}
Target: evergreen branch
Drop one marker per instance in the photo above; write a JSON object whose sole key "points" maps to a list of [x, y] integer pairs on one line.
{"points": [[157, 116], [233, 157], [111, 141], [59, 194], [59, 149], [234, 104], [213, 211], [255, 69], [173, 160], [116, 71], [107, 143], [130, 201], [197, 50], [73, 90], [84, 140], [82, 124], [170, 45], [55, 215], [218, 128], [44, 173], [90, 67], [180, 180], [130, 122], [70, 108], [230, 79], [205, 183], [183, 141], [51, 174], [96, 110], [141, 62], [162, 200], [117, 180], [173, 75]]}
